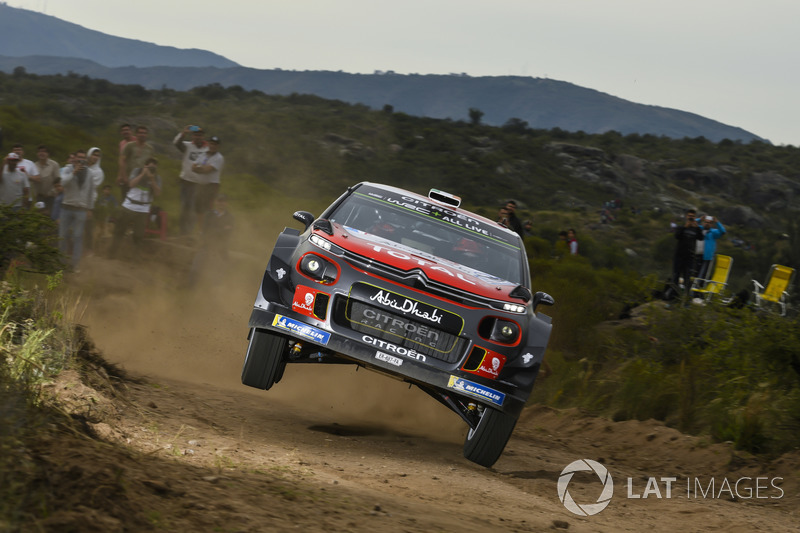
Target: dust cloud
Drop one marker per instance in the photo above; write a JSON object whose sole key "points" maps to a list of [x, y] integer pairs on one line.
{"points": [[142, 319]]}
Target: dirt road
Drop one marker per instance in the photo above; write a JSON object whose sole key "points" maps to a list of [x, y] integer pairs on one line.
{"points": [[335, 449]]}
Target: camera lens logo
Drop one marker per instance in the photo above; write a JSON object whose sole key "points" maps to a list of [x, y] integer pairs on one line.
{"points": [[585, 465]]}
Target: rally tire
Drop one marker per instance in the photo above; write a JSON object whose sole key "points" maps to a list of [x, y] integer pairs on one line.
{"points": [[486, 441], [264, 363]]}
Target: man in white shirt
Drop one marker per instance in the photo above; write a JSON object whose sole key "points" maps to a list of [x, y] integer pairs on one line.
{"points": [[14, 183], [193, 151], [26, 165], [209, 168]]}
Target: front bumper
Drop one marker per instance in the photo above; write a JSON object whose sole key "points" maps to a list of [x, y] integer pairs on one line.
{"points": [[337, 344]]}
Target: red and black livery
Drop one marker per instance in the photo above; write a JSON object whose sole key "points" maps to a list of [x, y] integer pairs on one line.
{"points": [[414, 287]]}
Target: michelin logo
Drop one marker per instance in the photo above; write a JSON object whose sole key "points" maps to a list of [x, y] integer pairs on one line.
{"points": [[468, 387], [301, 330]]}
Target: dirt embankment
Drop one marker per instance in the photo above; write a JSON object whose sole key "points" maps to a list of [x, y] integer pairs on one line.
{"points": [[189, 448]]}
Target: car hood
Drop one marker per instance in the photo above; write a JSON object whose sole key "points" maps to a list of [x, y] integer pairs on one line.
{"points": [[435, 268]]}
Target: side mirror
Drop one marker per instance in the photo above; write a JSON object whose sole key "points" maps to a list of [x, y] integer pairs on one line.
{"points": [[305, 217], [542, 298]]}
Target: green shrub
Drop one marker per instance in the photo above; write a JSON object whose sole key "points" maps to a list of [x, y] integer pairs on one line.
{"points": [[28, 240]]}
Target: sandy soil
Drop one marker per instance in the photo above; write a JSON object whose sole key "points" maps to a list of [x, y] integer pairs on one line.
{"points": [[187, 447]]}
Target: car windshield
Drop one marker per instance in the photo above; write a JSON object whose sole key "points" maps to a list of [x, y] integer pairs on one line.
{"points": [[454, 236]]}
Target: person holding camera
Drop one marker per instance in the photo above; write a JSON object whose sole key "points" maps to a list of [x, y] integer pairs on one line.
{"points": [[193, 151], [712, 231], [79, 183], [144, 186], [687, 236], [513, 223]]}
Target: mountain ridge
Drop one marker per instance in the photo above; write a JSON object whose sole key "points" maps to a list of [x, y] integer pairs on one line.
{"points": [[25, 33], [532, 102]]}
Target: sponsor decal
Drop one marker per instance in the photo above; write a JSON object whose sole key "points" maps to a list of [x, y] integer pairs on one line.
{"points": [[392, 360], [301, 330], [399, 350], [526, 358], [407, 306], [490, 366], [474, 389], [303, 302], [280, 273], [454, 218], [399, 327]]}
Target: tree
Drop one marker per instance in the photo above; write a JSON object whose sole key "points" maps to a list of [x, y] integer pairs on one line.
{"points": [[475, 116], [515, 125]]}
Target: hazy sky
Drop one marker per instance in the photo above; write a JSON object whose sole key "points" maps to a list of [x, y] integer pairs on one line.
{"points": [[735, 61]]}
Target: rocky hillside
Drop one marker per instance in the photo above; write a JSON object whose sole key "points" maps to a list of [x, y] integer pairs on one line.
{"points": [[737, 195]]}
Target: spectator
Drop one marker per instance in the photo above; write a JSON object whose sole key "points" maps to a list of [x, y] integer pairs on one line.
{"points": [[93, 162], [561, 247], [513, 222], [135, 154], [56, 213], [14, 184], [209, 167], [122, 178], [193, 151], [49, 176], [25, 165], [80, 183], [687, 237], [572, 241], [502, 217], [710, 236], [144, 185]]}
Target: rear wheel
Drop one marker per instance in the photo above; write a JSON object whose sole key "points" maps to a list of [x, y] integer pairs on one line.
{"points": [[264, 363], [486, 441]]}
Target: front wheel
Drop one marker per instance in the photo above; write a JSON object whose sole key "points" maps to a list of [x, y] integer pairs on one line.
{"points": [[264, 363], [486, 441]]}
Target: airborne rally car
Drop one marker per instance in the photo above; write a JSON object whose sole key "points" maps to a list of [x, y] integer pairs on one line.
{"points": [[416, 288]]}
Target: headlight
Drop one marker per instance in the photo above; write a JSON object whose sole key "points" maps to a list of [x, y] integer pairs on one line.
{"points": [[499, 330], [514, 308], [319, 242], [507, 332], [325, 244], [319, 269], [313, 266]]}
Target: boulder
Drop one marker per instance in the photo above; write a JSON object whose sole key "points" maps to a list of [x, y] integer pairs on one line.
{"points": [[741, 215], [577, 150], [770, 190], [705, 179]]}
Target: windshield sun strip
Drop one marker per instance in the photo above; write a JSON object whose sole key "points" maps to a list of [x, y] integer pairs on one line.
{"points": [[460, 228]]}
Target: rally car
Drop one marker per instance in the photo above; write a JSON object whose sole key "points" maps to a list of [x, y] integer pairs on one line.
{"points": [[414, 287]]}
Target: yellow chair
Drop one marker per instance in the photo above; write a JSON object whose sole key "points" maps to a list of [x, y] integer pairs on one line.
{"points": [[778, 281], [721, 271]]}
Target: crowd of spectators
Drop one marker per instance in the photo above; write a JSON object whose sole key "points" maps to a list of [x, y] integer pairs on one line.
{"points": [[80, 198]]}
